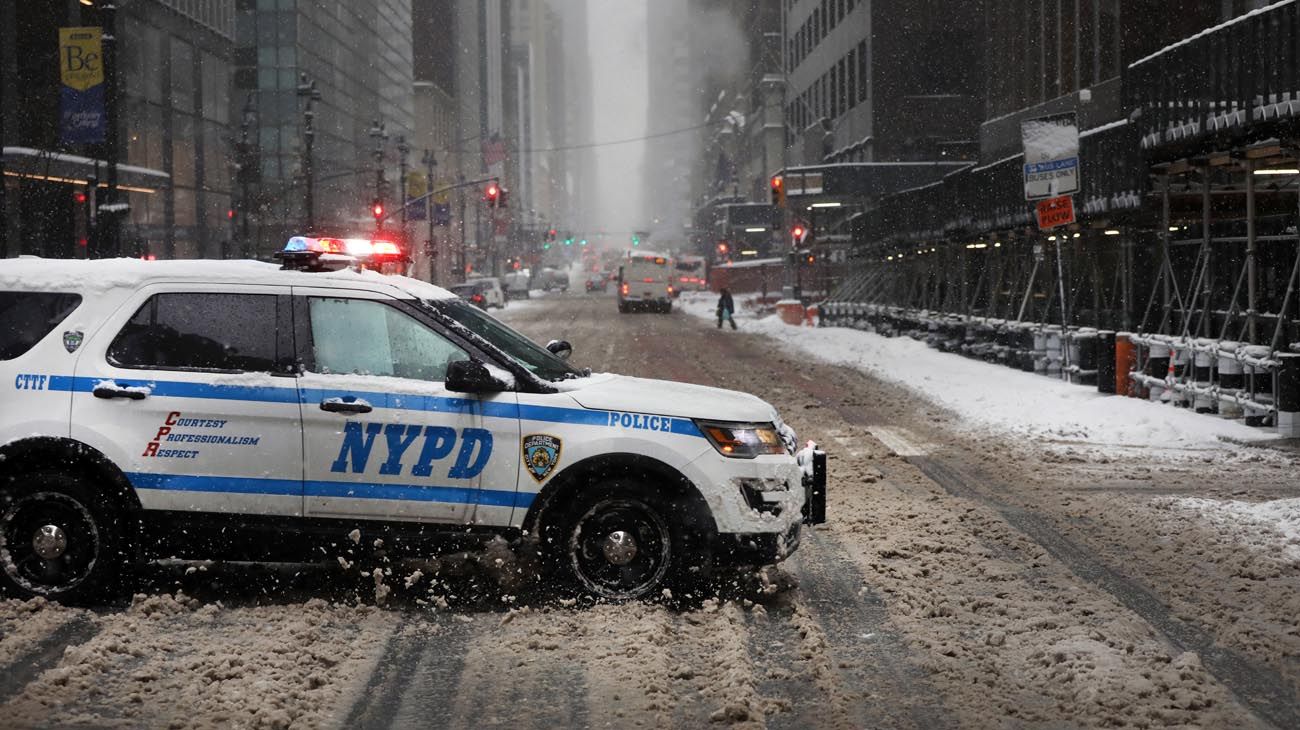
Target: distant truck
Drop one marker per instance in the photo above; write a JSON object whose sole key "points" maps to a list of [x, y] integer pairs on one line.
{"points": [[645, 281], [690, 274]]}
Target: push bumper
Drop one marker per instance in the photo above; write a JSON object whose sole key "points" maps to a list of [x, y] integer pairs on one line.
{"points": [[813, 461]]}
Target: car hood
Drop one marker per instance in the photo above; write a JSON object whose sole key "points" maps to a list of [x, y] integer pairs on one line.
{"points": [[667, 398]]}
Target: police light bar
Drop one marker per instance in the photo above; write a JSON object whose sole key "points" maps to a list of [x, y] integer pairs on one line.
{"points": [[314, 254]]}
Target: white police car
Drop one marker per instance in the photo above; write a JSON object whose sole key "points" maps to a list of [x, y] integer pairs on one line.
{"points": [[238, 410]]}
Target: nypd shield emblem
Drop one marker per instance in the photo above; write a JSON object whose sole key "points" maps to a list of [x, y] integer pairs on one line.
{"points": [[541, 454], [72, 340]]}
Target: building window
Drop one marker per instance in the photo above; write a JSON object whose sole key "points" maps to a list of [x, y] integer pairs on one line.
{"points": [[852, 68]]}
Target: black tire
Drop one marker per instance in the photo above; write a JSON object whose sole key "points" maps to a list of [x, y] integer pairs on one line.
{"points": [[60, 538], [621, 541], [622, 307]]}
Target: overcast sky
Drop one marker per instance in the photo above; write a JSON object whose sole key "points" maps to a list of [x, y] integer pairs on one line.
{"points": [[618, 53]]}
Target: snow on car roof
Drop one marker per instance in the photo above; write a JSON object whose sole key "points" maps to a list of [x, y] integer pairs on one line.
{"points": [[102, 275]]}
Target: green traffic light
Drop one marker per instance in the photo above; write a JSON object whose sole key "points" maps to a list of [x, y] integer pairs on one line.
{"points": [[583, 242], [546, 246], [636, 241], [568, 242]]}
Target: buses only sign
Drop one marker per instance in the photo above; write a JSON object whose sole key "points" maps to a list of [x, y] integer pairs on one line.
{"points": [[1051, 156]]}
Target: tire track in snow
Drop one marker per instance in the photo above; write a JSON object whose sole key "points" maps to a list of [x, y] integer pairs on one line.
{"points": [[44, 655], [878, 685], [421, 657], [1263, 690]]}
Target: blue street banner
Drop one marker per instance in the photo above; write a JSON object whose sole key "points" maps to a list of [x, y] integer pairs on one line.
{"points": [[442, 214], [81, 92]]}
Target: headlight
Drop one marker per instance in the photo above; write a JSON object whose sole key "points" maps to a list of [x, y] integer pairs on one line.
{"points": [[742, 440]]}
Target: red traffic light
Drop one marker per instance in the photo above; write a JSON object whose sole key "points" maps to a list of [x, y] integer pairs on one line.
{"points": [[723, 247], [778, 191], [491, 193], [798, 232], [377, 209], [79, 198]]}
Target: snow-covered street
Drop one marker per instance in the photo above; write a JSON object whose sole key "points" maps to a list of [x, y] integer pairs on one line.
{"points": [[981, 567]]}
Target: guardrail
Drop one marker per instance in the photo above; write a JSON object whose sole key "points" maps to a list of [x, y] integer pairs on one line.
{"points": [[1233, 380]]}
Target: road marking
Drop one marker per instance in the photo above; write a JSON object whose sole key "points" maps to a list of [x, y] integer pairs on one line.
{"points": [[851, 445], [899, 441]]}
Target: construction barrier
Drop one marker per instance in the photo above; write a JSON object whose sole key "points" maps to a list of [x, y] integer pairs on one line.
{"points": [[1230, 379]]}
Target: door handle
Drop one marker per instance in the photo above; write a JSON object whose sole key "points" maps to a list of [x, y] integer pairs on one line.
{"points": [[338, 405], [116, 391]]}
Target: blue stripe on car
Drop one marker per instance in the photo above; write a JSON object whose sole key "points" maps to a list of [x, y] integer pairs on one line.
{"points": [[348, 490]]}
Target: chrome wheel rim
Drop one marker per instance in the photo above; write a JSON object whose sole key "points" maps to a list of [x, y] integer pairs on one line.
{"points": [[620, 549], [49, 542]]}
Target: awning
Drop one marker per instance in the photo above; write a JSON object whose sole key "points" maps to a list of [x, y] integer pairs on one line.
{"points": [[61, 167]]}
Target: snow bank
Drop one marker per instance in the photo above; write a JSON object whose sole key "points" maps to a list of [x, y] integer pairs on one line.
{"points": [[997, 397], [1271, 527]]}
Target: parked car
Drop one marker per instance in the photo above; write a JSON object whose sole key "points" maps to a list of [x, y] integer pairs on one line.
{"points": [[472, 293], [517, 283], [493, 294]]}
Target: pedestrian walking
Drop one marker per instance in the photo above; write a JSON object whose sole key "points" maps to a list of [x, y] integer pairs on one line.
{"points": [[726, 308]]}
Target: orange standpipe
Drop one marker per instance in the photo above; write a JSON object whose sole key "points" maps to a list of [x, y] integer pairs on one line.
{"points": [[1123, 363]]}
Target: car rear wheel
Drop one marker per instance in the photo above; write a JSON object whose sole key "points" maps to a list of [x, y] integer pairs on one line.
{"points": [[58, 539]]}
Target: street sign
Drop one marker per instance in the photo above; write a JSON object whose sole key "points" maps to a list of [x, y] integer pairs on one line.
{"points": [[1053, 212], [1051, 156]]}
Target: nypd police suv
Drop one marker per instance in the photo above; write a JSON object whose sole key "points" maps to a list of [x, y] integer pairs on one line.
{"points": [[240, 410]]}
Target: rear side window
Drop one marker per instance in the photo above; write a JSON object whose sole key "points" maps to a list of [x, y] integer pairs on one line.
{"points": [[193, 331], [27, 317]]}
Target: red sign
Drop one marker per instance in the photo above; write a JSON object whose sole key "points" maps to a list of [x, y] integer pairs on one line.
{"points": [[1054, 212]]}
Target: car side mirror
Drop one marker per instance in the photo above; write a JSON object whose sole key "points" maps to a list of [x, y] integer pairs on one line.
{"points": [[560, 348], [471, 376]]}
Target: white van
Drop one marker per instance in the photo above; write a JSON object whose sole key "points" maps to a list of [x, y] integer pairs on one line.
{"points": [[646, 280]]}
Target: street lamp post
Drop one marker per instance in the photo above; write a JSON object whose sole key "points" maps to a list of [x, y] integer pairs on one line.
{"points": [[307, 90], [110, 243], [430, 165], [245, 173], [403, 150], [380, 136]]}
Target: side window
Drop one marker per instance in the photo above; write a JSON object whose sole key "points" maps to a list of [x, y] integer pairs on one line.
{"points": [[27, 317], [193, 331], [371, 338]]}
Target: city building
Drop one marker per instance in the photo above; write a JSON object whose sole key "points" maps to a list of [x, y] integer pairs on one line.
{"points": [[329, 88], [172, 130], [1183, 224]]}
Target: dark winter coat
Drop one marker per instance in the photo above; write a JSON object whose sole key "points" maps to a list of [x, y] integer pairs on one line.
{"points": [[725, 304]]}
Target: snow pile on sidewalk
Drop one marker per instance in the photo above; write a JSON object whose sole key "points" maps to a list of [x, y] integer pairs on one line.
{"points": [[994, 396]]}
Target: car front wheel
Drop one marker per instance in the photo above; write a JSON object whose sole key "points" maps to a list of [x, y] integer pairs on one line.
{"points": [[622, 542]]}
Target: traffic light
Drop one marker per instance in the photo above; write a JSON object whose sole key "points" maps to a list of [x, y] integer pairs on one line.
{"points": [[778, 191], [583, 242], [491, 194], [377, 209], [798, 232], [550, 235], [636, 240], [568, 241], [723, 247], [810, 259]]}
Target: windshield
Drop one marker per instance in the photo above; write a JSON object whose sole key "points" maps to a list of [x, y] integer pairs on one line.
{"points": [[537, 360]]}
